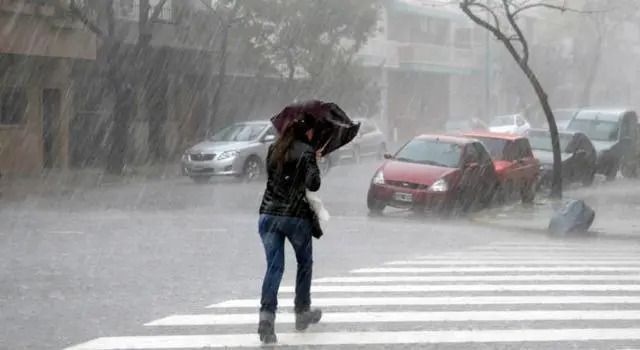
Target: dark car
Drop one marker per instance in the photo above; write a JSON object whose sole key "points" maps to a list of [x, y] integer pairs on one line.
{"points": [[432, 172], [614, 134], [578, 156], [515, 165]]}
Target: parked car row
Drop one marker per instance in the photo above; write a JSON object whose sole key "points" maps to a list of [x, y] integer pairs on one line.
{"points": [[240, 150], [445, 173], [442, 173]]}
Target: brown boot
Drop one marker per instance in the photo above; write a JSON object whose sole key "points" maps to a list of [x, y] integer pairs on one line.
{"points": [[266, 327], [305, 318]]}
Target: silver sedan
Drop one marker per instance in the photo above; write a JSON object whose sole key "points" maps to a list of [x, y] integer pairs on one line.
{"points": [[238, 150]]}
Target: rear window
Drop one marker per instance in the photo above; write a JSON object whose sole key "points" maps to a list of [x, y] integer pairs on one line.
{"points": [[542, 141], [495, 147], [598, 130]]}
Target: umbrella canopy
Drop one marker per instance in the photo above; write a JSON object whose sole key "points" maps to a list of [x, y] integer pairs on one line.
{"points": [[333, 128]]}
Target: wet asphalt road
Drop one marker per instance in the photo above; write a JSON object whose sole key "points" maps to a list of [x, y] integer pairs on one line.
{"points": [[102, 262]]}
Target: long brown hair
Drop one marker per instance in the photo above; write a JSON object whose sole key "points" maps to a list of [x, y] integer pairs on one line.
{"points": [[295, 131], [282, 146]]}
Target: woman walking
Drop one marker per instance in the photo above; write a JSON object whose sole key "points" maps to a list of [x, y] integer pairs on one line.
{"points": [[286, 214]]}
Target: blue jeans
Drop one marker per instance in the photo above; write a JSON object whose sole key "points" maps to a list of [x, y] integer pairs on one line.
{"points": [[273, 230]]}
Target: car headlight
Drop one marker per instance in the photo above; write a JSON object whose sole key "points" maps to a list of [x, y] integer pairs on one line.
{"points": [[378, 178], [439, 186], [185, 156], [227, 155]]}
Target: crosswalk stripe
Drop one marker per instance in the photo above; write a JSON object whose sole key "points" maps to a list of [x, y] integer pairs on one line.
{"points": [[406, 316], [535, 257], [584, 262], [563, 244], [498, 269], [468, 278], [620, 249], [463, 300], [362, 338], [468, 288]]}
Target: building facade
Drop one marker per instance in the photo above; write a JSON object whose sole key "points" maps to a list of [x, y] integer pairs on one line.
{"points": [[38, 47], [429, 61]]}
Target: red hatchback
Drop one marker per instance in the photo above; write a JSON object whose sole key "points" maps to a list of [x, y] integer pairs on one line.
{"points": [[515, 165], [436, 173]]}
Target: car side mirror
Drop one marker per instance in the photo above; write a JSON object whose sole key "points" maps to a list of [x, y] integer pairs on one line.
{"points": [[388, 156], [269, 138]]}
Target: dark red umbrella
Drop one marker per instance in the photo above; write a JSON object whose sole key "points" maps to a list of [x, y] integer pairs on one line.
{"points": [[333, 128]]}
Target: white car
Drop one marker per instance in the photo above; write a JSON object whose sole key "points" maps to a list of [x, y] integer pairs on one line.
{"points": [[511, 124]]}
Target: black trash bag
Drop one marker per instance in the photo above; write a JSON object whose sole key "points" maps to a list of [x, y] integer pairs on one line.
{"points": [[575, 217]]}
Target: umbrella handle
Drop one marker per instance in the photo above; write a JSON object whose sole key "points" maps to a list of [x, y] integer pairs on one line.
{"points": [[325, 145]]}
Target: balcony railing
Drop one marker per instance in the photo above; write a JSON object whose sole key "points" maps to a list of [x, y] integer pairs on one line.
{"points": [[395, 54]]}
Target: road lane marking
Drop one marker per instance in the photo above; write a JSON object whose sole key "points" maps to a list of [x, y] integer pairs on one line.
{"points": [[467, 278], [623, 262], [64, 232], [403, 288], [497, 269], [362, 338], [406, 316], [417, 301], [210, 230]]}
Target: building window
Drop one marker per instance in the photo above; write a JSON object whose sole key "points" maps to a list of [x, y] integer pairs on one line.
{"points": [[462, 38], [13, 106], [129, 9]]}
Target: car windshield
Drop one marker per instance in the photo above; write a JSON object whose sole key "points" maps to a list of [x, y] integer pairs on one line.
{"points": [[495, 147], [597, 130], [541, 140], [564, 114], [501, 121], [239, 132], [431, 152]]}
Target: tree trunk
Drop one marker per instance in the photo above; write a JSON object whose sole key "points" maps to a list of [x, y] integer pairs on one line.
{"points": [[222, 74], [556, 182]]}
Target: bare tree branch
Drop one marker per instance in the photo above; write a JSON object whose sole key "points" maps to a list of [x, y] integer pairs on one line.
{"points": [[550, 6], [157, 10], [77, 13], [466, 5], [512, 20]]}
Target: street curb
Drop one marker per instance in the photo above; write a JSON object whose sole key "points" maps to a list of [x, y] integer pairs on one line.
{"points": [[532, 230]]}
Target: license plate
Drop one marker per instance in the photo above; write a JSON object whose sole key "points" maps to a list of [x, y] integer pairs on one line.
{"points": [[403, 197]]}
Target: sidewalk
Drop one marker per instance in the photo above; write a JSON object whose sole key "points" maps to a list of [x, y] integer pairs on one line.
{"points": [[617, 207], [67, 181]]}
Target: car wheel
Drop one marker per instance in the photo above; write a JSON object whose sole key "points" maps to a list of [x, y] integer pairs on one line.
{"points": [[588, 178], [201, 179], [252, 169], [324, 164], [375, 206], [629, 170], [528, 192], [612, 172]]}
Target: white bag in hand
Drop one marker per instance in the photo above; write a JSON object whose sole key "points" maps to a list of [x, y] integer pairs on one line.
{"points": [[316, 205]]}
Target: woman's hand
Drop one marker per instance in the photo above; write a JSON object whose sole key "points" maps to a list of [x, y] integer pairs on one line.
{"points": [[318, 155]]}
